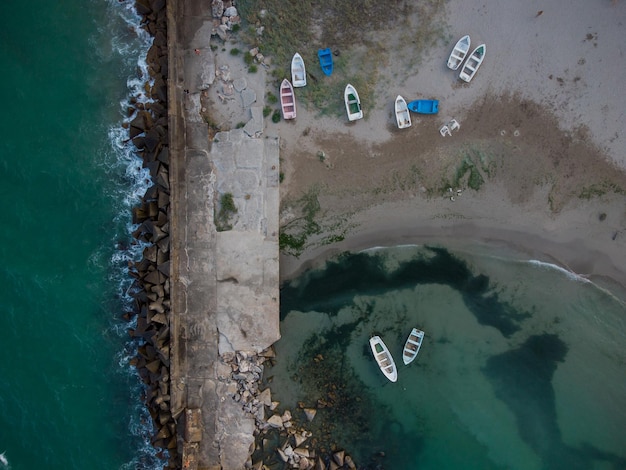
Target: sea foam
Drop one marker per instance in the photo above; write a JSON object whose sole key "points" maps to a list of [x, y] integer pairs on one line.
{"points": [[130, 42]]}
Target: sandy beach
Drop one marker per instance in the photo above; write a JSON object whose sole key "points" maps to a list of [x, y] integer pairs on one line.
{"points": [[542, 121]]}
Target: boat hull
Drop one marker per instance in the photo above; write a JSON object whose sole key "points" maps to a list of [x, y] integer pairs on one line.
{"points": [[298, 71], [412, 346], [459, 52], [287, 100], [353, 103], [424, 106], [383, 358], [326, 60], [403, 117], [473, 63]]}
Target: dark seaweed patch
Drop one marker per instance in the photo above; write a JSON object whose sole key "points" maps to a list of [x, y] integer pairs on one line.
{"points": [[335, 286], [522, 379]]}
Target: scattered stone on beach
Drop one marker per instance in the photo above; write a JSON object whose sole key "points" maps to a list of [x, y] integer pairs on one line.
{"points": [[217, 8], [228, 89], [221, 32], [223, 73]]}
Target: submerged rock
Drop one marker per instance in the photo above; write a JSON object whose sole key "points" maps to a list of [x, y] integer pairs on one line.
{"points": [[275, 421], [265, 397], [310, 413], [339, 457]]}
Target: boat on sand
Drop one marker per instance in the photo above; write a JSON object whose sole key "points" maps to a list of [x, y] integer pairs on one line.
{"points": [[326, 60], [403, 117], [383, 358], [424, 106], [298, 71], [473, 62], [412, 345], [353, 103], [459, 52], [287, 100]]}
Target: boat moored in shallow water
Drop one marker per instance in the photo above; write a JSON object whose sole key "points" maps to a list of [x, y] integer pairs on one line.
{"points": [[383, 358], [412, 346]]}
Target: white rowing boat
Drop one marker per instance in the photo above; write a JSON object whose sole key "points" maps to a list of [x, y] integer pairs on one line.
{"points": [[403, 117], [473, 62], [353, 103], [298, 71], [383, 358], [459, 52], [412, 345]]}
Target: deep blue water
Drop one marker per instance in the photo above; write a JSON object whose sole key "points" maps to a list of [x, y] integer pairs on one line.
{"points": [[68, 399]]}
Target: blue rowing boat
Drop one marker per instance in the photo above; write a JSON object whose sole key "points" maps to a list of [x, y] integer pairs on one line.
{"points": [[424, 106], [326, 60]]}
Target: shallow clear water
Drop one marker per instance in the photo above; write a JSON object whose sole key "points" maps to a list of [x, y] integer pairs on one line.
{"points": [[68, 398], [521, 368]]}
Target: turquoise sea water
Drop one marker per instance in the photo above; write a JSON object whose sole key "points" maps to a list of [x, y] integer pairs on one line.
{"points": [[522, 366], [68, 399]]}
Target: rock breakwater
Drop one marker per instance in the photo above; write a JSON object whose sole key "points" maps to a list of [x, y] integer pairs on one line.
{"points": [[148, 131]]}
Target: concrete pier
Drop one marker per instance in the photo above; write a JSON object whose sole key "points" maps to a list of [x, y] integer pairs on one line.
{"points": [[224, 285]]}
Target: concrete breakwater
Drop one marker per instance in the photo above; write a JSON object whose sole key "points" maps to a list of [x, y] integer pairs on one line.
{"points": [[206, 303], [206, 297]]}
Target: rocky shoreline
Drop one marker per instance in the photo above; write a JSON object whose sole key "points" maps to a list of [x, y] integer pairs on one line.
{"points": [[148, 131]]}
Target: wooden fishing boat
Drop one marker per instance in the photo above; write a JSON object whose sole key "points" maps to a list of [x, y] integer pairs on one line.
{"points": [[403, 117], [326, 60], [353, 103], [298, 71], [383, 358], [287, 100], [412, 345], [424, 106], [473, 62], [459, 52]]}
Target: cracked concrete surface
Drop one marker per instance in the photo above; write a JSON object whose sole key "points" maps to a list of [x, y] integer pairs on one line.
{"points": [[225, 285]]}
